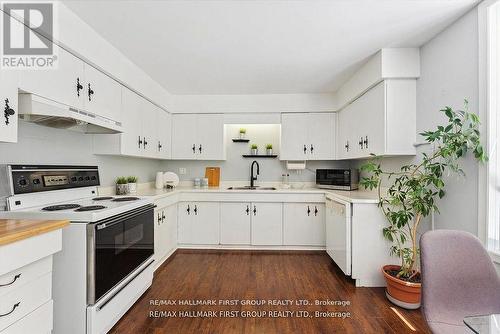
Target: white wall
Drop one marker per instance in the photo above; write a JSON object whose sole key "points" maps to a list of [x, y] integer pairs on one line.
{"points": [[237, 168], [43, 145]]}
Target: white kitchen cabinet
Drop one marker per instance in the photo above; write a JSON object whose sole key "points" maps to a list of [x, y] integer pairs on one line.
{"points": [[308, 136], [198, 223], [198, 137], [235, 220], [164, 134], [267, 224], [64, 84], [102, 94], [165, 233], [304, 224], [382, 121], [9, 103]]}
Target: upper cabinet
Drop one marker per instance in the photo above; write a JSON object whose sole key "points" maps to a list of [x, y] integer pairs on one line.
{"points": [[146, 130], [102, 94], [198, 137], [308, 136], [382, 121], [9, 102]]}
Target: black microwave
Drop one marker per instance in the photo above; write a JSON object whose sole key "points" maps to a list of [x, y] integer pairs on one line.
{"points": [[337, 179]]}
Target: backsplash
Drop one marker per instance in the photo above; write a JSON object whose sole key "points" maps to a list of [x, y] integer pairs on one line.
{"points": [[237, 168]]}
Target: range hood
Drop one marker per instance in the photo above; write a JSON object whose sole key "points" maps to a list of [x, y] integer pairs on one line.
{"points": [[39, 110]]}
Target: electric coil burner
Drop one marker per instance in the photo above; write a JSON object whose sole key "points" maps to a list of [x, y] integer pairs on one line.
{"points": [[61, 207], [91, 208], [104, 198], [125, 199]]}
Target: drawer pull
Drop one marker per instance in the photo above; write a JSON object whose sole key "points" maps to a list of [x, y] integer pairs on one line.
{"points": [[13, 281], [13, 309]]}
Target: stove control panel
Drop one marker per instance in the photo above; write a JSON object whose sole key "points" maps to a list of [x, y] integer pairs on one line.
{"points": [[34, 178]]}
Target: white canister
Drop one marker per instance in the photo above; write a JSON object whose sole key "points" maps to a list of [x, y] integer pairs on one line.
{"points": [[159, 180]]}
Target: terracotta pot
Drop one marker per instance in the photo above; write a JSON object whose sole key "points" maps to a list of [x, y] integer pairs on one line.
{"points": [[402, 293]]}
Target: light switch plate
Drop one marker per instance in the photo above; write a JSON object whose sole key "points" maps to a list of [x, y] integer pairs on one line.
{"points": [[182, 171]]}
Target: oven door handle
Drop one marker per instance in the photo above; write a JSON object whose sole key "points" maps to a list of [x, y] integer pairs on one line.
{"points": [[121, 218]]}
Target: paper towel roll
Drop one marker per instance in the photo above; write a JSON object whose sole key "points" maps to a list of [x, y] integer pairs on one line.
{"points": [[159, 180]]}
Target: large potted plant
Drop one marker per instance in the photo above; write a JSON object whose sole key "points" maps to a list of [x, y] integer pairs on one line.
{"points": [[412, 194]]}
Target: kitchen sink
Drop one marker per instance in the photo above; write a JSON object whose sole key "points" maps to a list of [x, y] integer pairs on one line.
{"points": [[251, 188]]}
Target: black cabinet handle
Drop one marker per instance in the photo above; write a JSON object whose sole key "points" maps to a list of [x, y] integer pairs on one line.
{"points": [[188, 210], [308, 210], [361, 142], [13, 280], [194, 148], [159, 146], [140, 142], [13, 309], [90, 93], [159, 218], [315, 210], [162, 217], [366, 141], [305, 149], [145, 142], [312, 149], [8, 111], [200, 149], [347, 146], [79, 87], [254, 210], [195, 210], [247, 210]]}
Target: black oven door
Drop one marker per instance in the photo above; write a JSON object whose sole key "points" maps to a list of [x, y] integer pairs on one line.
{"points": [[116, 247]]}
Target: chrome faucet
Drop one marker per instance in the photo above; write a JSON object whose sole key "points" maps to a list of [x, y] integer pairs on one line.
{"points": [[252, 177]]}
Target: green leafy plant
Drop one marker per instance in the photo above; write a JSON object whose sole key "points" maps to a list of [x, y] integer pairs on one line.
{"points": [[132, 179], [121, 180], [254, 146], [415, 188], [243, 130], [269, 146]]}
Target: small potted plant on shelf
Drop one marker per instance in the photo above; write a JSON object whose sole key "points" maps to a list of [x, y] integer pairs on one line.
{"points": [[243, 133], [269, 149], [132, 184], [121, 185], [412, 195], [254, 149]]}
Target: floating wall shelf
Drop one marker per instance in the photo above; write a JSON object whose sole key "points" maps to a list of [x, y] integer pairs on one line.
{"points": [[260, 156], [238, 140]]}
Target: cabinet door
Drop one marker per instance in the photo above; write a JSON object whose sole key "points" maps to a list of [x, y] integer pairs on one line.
{"points": [[102, 94], [131, 141], [184, 137], [170, 222], [321, 134], [59, 84], [235, 223], [159, 237], [267, 225], [164, 132], [210, 140], [206, 222], [9, 103], [294, 139], [344, 142], [371, 110], [185, 229], [304, 224], [149, 121]]}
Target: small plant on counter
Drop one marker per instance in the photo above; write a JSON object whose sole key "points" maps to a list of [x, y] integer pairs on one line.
{"points": [[121, 185], [132, 184], [269, 149], [243, 132], [413, 192], [254, 149]]}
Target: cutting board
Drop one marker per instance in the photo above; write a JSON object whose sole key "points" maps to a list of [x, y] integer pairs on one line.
{"points": [[213, 176]]}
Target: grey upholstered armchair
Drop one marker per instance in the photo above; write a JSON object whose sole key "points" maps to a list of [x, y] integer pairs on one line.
{"points": [[458, 280]]}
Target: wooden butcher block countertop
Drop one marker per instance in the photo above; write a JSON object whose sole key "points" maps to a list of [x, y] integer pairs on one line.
{"points": [[12, 230]]}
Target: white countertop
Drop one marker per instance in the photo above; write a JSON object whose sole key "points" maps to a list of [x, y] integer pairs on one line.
{"points": [[357, 196]]}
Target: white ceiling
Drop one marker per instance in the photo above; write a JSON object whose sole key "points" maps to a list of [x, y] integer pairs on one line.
{"points": [[262, 47]]}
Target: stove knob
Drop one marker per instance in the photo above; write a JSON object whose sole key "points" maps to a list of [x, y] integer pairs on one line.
{"points": [[80, 178], [23, 182], [36, 181], [87, 178], [73, 179], [93, 178]]}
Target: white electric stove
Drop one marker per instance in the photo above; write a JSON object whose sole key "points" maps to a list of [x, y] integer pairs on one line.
{"points": [[107, 258]]}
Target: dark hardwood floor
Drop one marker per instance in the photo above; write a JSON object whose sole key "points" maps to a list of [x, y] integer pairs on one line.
{"points": [[251, 275]]}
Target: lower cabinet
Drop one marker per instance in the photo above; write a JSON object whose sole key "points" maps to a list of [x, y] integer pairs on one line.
{"points": [[165, 233], [267, 224], [198, 223], [235, 223], [304, 224]]}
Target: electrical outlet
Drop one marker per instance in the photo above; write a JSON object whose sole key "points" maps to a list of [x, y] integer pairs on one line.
{"points": [[182, 171]]}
